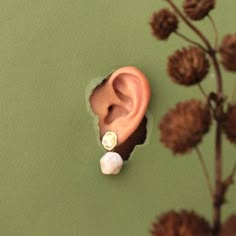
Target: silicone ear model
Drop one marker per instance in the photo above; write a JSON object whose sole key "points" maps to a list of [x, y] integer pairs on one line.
{"points": [[120, 104]]}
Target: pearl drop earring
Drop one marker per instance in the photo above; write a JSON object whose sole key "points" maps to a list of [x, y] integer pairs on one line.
{"points": [[111, 162]]}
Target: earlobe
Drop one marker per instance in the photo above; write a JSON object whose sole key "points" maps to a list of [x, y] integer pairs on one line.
{"points": [[121, 102]]}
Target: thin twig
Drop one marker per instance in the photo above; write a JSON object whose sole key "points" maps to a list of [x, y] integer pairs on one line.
{"points": [[219, 80], [218, 180], [215, 31], [194, 28], [202, 90], [190, 41], [205, 171], [228, 182]]}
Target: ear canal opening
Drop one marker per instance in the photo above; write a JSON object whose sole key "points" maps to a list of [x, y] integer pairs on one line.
{"points": [[115, 111]]}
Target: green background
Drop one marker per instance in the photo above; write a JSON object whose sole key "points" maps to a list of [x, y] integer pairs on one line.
{"points": [[50, 181]]}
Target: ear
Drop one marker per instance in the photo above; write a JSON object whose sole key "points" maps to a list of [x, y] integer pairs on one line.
{"points": [[121, 102]]}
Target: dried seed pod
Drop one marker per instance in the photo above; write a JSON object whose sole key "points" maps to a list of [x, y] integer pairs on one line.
{"points": [[184, 223], [229, 125], [229, 227], [163, 23], [198, 9], [228, 52], [183, 127], [188, 66]]}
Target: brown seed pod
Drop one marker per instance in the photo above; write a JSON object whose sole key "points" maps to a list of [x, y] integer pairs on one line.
{"points": [[183, 127], [163, 23], [229, 125], [228, 52], [198, 9], [183, 223], [188, 66], [229, 227]]}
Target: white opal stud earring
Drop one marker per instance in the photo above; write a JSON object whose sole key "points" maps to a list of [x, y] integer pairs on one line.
{"points": [[111, 162]]}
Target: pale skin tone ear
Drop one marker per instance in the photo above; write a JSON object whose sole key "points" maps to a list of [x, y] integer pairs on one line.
{"points": [[121, 102]]}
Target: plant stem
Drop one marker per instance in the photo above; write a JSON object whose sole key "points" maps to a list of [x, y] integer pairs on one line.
{"points": [[218, 74], [190, 41], [202, 90], [205, 171], [217, 203], [195, 29], [215, 31], [228, 182], [218, 198], [218, 181]]}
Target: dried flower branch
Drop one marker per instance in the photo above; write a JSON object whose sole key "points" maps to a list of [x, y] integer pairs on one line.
{"points": [[205, 171], [183, 127], [218, 139]]}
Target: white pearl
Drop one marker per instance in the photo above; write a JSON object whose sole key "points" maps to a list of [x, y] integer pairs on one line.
{"points": [[111, 163], [109, 140]]}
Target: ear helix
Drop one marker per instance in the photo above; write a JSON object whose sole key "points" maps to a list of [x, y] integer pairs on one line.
{"points": [[111, 162]]}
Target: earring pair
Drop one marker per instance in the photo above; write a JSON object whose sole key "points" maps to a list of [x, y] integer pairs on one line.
{"points": [[111, 162]]}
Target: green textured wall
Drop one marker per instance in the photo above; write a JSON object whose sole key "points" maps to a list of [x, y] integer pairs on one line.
{"points": [[50, 182]]}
